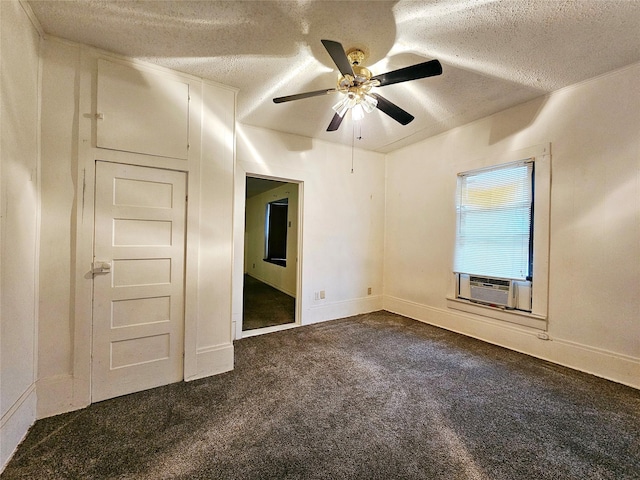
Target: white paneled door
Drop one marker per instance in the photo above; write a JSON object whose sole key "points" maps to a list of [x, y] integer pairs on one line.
{"points": [[138, 304]]}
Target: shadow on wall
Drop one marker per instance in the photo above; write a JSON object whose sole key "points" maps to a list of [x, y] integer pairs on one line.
{"points": [[504, 126], [296, 143]]}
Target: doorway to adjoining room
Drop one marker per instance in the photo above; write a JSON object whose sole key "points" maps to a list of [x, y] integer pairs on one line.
{"points": [[270, 255]]}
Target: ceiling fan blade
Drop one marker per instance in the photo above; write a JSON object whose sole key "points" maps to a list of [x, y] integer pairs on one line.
{"points": [[391, 109], [338, 56], [299, 96], [335, 123], [414, 72]]}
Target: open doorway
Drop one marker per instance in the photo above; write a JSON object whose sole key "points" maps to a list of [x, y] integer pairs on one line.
{"points": [[270, 255]]}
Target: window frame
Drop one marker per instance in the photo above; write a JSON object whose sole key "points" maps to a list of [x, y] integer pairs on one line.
{"points": [[269, 255], [537, 318]]}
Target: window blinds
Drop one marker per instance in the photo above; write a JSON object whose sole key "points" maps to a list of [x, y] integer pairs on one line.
{"points": [[494, 215]]}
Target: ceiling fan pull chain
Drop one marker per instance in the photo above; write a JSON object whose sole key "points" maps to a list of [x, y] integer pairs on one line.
{"points": [[353, 127]]}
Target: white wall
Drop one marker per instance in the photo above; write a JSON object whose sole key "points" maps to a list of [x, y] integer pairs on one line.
{"points": [[343, 219], [19, 98], [281, 277], [594, 272]]}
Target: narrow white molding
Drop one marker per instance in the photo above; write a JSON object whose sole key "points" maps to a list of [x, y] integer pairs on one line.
{"points": [[15, 424], [421, 312], [55, 396], [17, 404], [272, 329], [547, 96], [38, 219], [212, 360], [213, 348], [146, 65], [32, 17], [236, 326], [322, 310], [513, 316], [280, 289], [612, 366], [611, 73]]}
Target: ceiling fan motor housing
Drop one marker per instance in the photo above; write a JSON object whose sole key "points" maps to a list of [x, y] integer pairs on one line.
{"points": [[356, 56]]}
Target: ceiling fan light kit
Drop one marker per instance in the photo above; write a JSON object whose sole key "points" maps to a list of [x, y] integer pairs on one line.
{"points": [[355, 88], [356, 82]]}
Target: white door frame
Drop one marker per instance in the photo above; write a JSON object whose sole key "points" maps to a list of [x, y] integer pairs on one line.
{"points": [[239, 284]]}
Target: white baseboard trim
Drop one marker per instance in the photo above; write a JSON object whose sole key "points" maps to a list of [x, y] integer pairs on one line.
{"points": [[599, 362], [265, 330], [213, 360], [55, 396], [15, 424], [273, 285], [321, 311], [236, 323]]}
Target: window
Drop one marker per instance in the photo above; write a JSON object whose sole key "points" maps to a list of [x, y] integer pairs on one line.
{"points": [[275, 230], [502, 233], [494, 234]]}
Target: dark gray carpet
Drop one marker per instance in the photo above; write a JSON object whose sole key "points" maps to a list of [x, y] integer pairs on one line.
{"points": [[265, 306], [374, 396]]}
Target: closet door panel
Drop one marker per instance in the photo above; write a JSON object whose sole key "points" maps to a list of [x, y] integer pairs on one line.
{"points": [[141, 112]]}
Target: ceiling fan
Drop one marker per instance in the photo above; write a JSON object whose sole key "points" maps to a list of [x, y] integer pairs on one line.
{"points": [[356, 82]]}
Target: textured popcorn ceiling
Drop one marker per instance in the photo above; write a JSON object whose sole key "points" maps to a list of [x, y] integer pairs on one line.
{"points": [[494, 54]]}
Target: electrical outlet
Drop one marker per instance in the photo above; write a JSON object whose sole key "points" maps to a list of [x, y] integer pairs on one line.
{"points": [[321, 294], [369, 291], [254, 265]]}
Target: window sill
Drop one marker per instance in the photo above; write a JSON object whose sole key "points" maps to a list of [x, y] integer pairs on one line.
{"points": [[276, 261], [525, 319]]}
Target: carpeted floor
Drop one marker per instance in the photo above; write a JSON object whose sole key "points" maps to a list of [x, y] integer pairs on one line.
{"points": [[375, 396], [265, 306]]}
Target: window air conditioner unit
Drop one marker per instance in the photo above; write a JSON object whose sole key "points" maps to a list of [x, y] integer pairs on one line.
{"points": [[499, 292]]}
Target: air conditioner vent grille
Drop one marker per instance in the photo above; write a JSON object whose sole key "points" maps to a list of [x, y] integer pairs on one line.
{"points": [[491, 296], [496, 292], [492, 281]]}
